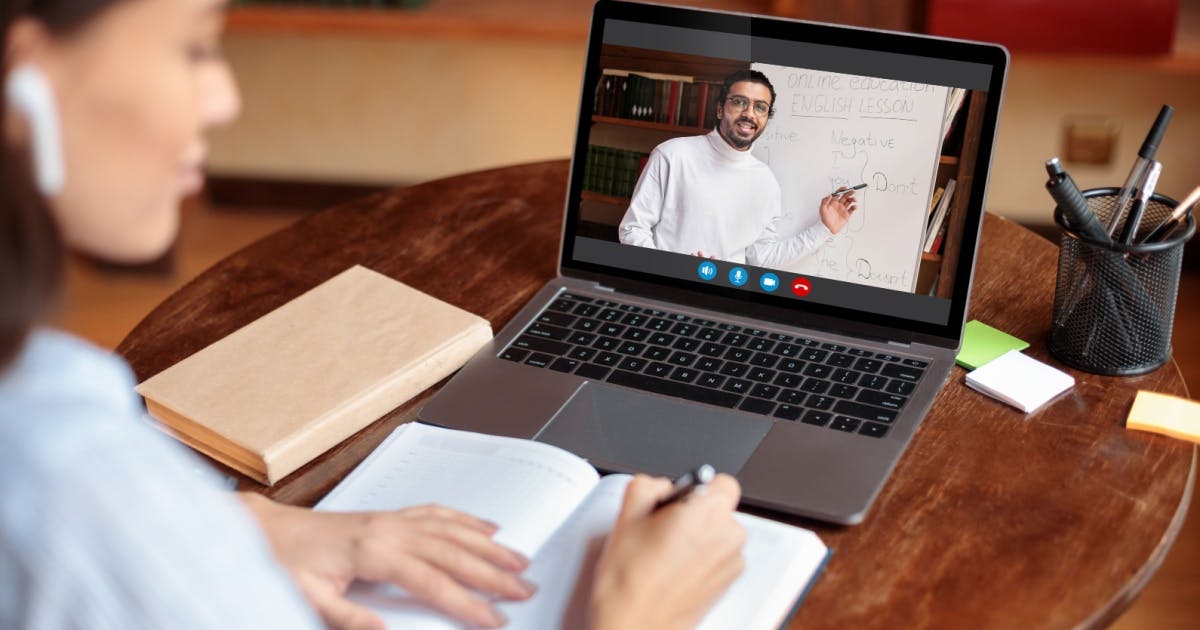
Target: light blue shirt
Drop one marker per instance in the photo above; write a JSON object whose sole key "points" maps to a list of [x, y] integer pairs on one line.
{"points": [[107, 523]]}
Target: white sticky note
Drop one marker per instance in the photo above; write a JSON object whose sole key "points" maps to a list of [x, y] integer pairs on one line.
{"points": [[1020, 380]]}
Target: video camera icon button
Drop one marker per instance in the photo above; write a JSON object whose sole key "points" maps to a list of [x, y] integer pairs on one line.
{"points": [[707, 270], [768, 282], [738, 276]]}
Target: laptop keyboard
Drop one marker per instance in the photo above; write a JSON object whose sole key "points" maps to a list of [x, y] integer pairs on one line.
{"points": [[791, 378]]}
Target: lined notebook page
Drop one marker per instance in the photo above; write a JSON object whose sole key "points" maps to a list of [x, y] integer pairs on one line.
{"points": [[525, 487], [528, 488], [781, 560]]}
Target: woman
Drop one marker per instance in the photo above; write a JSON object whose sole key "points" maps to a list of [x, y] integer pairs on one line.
{"points": [[103, 522]]}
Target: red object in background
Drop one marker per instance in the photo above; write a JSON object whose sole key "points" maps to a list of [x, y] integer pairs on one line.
{"points": [[1108, 27]]}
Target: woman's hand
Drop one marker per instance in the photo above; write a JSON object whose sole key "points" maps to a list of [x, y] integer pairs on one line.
{"points": [[836, 210], [437, 554], [664, 569]]}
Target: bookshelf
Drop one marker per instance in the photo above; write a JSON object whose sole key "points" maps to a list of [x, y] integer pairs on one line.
{"points": [[957, 218], [663, 62], [600, 213], [602, 198], [677, 130], [937, 272]]}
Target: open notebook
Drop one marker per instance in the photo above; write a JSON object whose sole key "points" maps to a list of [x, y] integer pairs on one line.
{"points": [[553, 507]]}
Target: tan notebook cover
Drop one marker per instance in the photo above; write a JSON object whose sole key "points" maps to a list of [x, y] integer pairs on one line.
{"points": [[285, 388]]}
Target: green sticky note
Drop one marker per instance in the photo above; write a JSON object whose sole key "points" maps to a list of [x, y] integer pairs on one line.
{"points": [[982, 343]]}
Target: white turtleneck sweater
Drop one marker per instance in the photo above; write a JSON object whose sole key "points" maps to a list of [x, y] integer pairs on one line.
{"points": [[697, 194]]}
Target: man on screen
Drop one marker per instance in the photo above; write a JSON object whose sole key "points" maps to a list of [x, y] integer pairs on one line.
{"points": [[708, 196]]}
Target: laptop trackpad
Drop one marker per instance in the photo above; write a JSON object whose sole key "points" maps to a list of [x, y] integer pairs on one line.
{"points": [[627, 431]]}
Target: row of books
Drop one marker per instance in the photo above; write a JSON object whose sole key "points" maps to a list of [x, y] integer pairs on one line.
{"points": [[614, 172], [952, 139], [672, 101], [954, 102], [935, 223], [954, 122]]}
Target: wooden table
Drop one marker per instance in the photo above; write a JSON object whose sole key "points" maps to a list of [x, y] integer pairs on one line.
{"points": [[992, 518]]}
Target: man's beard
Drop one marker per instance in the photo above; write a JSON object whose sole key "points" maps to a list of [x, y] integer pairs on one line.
{"points": [[729, 132]]}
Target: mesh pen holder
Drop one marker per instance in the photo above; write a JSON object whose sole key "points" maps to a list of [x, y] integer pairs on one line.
{"points": [[1114, 304]]}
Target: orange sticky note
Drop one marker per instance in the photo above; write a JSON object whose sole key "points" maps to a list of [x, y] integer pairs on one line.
{"points": [[1168, 415]]}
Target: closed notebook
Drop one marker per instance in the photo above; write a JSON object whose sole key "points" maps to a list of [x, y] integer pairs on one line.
{"points": [[285, 388]]}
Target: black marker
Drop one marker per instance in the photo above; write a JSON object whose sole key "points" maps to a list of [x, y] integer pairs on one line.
{"points": [[1066, 194], [686, 484], [846, 190]]}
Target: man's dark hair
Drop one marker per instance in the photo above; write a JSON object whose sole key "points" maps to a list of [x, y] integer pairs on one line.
{"points": [[31, 249], [753, 76]]}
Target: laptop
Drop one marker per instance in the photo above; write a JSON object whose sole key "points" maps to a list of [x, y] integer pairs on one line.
{"points": [[705, 309]]}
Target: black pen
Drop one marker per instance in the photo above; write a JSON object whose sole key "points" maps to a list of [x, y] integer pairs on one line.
{"points": [[686, 484], [1141, 165], [846, 190], [1145, 190]]}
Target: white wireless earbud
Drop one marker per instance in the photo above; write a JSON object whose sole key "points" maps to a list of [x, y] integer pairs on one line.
{"points": [[28, 91]]}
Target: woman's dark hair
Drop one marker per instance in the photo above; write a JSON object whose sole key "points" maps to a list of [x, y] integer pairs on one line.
{"points": [[30, 247], [753, 76]]}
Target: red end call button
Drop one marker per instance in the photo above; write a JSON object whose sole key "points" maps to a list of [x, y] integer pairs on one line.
{"points": [[801, 287]]}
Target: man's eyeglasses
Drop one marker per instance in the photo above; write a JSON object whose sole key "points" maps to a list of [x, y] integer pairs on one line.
{"points": [[741, 104]]}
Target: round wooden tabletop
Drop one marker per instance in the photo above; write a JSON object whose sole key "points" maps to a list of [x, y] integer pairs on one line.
{"points": [[993, 518]]}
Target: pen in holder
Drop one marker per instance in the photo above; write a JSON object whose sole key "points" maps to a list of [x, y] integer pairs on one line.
{"points": [[1114, 303]]}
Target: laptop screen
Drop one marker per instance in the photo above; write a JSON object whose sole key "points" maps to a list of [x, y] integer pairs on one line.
{"points": [[799, 172]]}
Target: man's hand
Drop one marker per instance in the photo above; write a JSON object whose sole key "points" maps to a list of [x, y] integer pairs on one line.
{"points": [[836, 210], [664, 569], [437, 554]]}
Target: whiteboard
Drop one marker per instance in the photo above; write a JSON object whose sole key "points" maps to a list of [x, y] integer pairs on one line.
{"points": [[832, 129]]}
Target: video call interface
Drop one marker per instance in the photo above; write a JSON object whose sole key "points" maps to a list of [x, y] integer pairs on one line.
{"points": [[709, 161]]}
